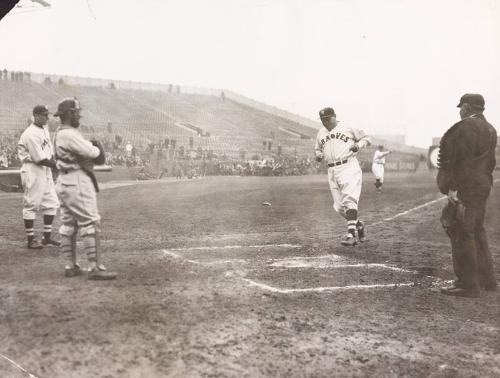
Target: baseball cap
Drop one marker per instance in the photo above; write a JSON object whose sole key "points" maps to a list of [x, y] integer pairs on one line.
{"points": [[472, 99], [326, 112], [40, 109], [67, 104]]}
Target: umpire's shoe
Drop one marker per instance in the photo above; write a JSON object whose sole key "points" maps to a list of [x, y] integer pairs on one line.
{"points": [[99, 273], [460, 292], [348, 240], [360, 226], [49, 242], [34, 244], [73, 271]]}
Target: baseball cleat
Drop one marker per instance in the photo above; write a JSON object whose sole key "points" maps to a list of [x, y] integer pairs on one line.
{"points": [[35, 244], [73, 271], [348, 240], [51, 242], [101, 274], [360, 226]]}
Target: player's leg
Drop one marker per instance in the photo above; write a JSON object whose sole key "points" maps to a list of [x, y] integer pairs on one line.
{"points": [[335, 191], [381, 178], [31, 202], [68, 231], [49, 206], [350, 185], [88, 218], [377, 172]]}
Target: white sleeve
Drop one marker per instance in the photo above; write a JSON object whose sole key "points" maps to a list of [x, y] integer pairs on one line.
{"points": [[318, 148], [82, 147]]}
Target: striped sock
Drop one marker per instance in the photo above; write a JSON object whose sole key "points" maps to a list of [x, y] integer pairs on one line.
{"points": [[47, 226], [67, 249], [351, 227], [29, 227], [89, 246], [47, 231]]}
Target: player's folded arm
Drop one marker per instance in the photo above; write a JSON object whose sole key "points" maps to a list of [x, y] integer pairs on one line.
{"points": [[83, 148]]}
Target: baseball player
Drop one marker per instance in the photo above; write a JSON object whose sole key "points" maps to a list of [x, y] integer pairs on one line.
{"points": [[378, 166], [35, 153], [76, 188], [338, 146]]}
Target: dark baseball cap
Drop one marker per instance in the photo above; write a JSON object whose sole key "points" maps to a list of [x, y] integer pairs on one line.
{"points": [[66, 105], [40, 109], [472, 99], [326, 113]]}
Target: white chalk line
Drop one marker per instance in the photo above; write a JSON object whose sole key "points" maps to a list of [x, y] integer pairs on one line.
{"points": [[323, 289], [213, 248], [283, 264], [415, 208], [203, 263], [18, 366]]}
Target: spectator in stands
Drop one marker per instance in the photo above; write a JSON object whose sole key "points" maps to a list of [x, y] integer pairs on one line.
{"points": [[12, 76], [128, 149], [5, 73]]}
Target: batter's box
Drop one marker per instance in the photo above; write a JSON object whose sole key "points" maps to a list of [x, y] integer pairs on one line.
{"points": [[334, 277]]}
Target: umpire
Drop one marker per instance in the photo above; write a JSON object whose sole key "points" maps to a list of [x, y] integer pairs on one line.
{"points": [[466, 164]]}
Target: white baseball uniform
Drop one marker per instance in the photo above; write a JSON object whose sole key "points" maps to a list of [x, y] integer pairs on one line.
{"points": [[74, 187], [378, 164], [344, 173], [39, 191]]}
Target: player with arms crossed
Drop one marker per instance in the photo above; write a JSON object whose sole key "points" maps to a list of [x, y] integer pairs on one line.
{"points": [[378, 166], [76, 188], [338, 146]]}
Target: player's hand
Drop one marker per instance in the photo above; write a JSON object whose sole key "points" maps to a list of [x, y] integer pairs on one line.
{"points": [[354, 148], [318, 158]]}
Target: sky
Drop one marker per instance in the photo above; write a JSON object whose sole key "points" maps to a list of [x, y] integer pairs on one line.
{"points": [[385, 66]]}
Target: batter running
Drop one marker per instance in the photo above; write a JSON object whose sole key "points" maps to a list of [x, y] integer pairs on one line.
{"points": [[339, 145]]}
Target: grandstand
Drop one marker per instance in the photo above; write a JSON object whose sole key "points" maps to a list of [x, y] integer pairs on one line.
{"points": [[145, 114]]}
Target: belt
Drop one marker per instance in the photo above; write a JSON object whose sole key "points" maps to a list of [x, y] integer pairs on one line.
{"points": [[340, 162]]}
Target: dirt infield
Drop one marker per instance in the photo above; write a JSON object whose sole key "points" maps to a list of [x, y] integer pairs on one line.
{"points": [[212, 283]]}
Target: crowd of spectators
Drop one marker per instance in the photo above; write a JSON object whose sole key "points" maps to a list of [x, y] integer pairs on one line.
{"points": [[8, 151], [15, 75], [165, 158]]}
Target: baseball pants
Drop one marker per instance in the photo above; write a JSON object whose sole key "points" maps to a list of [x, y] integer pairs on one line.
{"points": [[378, 171], [345, 185], [39, 191], [78, 204]]}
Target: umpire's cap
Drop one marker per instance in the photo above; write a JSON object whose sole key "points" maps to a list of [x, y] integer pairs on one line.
{"points": [[40, 110], [326, 113], [66, 105], [472, 99]]}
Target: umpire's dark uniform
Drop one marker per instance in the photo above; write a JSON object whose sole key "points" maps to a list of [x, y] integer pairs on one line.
{"points": [[466, 163]]}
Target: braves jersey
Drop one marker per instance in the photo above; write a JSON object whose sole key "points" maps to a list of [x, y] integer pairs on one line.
{"points": [[72, 149], [379, 157], [34, 145], [335, 145]]}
